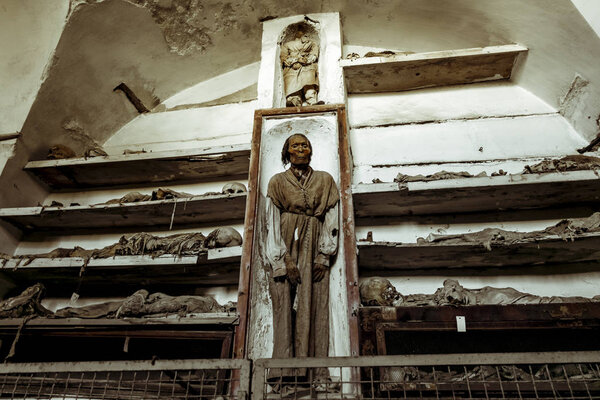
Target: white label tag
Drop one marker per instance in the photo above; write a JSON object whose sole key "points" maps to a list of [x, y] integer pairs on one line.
{"points": [[461, 324], [74, 298]]}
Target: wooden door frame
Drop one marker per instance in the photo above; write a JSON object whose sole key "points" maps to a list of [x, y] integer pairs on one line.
{"points": [[347, 217]]}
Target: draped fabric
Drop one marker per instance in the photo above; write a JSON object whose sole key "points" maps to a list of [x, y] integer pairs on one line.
{"points": [[297, 52], [302, 226]]}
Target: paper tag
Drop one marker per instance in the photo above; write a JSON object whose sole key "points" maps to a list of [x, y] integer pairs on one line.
{"points": [[74, 298], [126, 345], [461, 323]]}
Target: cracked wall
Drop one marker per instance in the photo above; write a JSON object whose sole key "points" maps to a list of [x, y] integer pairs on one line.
{"points": [[188, 26]]}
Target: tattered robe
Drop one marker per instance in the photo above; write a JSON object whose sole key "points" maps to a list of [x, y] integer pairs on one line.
{"points": [[295, 80], [303, 225]]}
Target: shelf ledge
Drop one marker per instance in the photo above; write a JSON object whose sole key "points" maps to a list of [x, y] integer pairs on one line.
{"points": [[476, 194], [439, 68], [392, 256], [200, 164], [192, 210]]}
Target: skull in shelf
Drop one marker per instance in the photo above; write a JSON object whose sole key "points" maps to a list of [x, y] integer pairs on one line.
{"points": [[234, 187], [379, 292], [223, 237]]}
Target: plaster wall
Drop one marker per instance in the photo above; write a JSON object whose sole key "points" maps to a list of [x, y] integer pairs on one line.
{"points": [[590, 9], [187, 128], [31, 30], [7, 149], [465, 141], [441, 104], [217, 87]]}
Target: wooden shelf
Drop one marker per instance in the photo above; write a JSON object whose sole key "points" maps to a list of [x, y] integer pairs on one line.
{"points": [[183, 211], [476, 194], [57, 323], [205, 164], [389, 256], [213, 267], [485, 316], [433, 329], [439, 68]]}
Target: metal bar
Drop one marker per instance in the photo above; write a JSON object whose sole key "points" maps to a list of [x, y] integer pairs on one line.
{"points": [[244, 376], [258, 380], [94, 366], [566, 357]]}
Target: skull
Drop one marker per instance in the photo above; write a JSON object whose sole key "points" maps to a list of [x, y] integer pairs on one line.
{"points": [[379, 292], [234, 187], [223, 237]]}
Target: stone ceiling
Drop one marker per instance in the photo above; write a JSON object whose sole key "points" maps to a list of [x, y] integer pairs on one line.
{"points": [[160, 47]]}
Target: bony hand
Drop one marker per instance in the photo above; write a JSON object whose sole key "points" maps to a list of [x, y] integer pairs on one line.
{"points": [[296, 65], [318, 272], [292, 272]]}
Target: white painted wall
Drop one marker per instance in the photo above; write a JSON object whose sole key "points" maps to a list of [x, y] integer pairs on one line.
{"points": [[188, 128], [217, 87], [465, 141], [590, 9], [30, 30], [474, 101], [7, 149]]}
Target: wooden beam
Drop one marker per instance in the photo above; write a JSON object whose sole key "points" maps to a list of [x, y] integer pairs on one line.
{"points": [[183, 211], [512, 316], [204, 164], [439, 68], [476, 194], [386, 256], [76, 323], [214, 267]]}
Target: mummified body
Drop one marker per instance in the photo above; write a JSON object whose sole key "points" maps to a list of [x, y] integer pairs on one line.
{"points": [[302, 223], [299, 62]]}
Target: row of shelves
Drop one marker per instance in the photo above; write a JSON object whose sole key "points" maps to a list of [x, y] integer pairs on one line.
{"points": [[370, 200], [212, 267], [221, 266]]}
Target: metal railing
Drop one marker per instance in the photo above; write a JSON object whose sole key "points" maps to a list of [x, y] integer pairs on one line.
{"points": [[162, 379], [556, 375]]}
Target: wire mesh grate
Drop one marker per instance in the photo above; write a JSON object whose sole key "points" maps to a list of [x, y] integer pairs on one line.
{"points": [[132, 381], [493, 376], [535, 381]]}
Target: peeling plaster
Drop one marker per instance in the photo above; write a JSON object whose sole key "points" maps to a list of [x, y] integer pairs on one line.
{"points": [[187, 25], [76, 3], [570, 101], [77, 133]]}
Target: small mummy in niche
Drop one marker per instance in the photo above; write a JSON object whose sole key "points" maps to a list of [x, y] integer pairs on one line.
{"points": [[299, 60]]}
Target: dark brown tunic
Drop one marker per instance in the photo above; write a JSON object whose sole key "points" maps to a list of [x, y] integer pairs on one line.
{"points": [[301, 313]]}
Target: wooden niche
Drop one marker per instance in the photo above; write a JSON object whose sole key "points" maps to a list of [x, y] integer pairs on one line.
{"points": [[325, 127]]}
